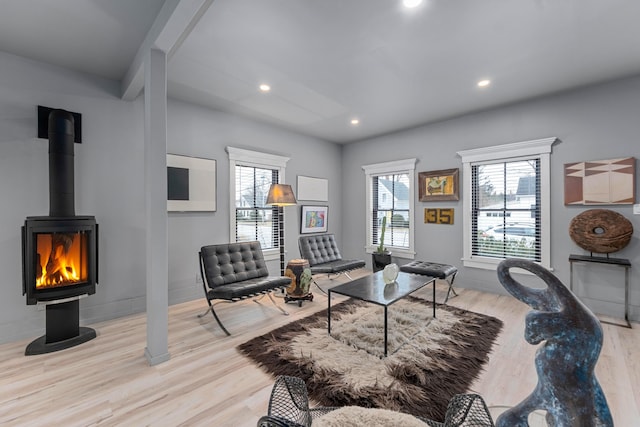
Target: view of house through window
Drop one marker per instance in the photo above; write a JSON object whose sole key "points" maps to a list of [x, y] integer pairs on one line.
{"points": [[506, 217], [390, 198], [255, 219]]}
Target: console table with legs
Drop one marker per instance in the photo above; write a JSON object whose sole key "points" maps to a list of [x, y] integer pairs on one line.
{"points": [[373, 289], [619, 262]]}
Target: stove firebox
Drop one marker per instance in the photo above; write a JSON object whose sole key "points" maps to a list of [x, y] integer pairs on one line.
{"points": [[60, 251], [60, 258]]}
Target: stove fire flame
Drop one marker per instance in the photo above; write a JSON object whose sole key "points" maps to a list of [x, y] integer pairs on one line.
{"points": [[62, 259]]}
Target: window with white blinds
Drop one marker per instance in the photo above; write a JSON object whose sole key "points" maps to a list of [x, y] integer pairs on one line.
{"points": [[389, 194], [506, 204], [506, 220], [254, 219], [251, 173]]}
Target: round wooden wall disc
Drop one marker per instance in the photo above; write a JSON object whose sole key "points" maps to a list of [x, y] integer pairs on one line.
{"points": [[601, 231]]}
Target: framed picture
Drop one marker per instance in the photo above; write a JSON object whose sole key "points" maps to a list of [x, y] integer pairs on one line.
{"points": [[600, 182], [439, 185], [191, 184], [313, 189], [438, 216], [314, 219]]}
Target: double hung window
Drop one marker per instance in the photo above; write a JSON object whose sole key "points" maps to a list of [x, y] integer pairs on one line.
{"points": [[255, 219], [390, 195], [505, 213], [507, 205], [251, 175]]}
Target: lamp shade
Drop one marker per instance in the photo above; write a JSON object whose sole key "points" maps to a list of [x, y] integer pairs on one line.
{"points": [[281, 195]]}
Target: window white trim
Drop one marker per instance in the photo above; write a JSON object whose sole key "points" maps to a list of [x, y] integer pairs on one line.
{"points": [[396, 166], [539, 148], [243, 157], [407, 166], [257, 158], [507, 151]]}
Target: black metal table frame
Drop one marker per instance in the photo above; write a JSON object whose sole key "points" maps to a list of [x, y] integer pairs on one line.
{"points": [[427, 280], [621, 262]]}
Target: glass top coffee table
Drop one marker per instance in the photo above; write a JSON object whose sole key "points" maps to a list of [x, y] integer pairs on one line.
{"points": [[373, 289]]}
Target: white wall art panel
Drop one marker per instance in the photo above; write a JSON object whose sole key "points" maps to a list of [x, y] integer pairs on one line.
{"points": [[191, 184]]}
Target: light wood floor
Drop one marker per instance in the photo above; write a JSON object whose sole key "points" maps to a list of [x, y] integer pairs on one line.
{"points": [[107, 381]]}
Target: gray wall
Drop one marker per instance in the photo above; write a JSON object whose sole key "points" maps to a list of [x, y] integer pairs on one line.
{"points": [[594, 123], [600, 122], [199, 132], [109, 183]]}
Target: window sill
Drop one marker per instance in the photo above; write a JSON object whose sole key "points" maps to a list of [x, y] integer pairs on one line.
{"points": [[491, 264], [395, 252]]}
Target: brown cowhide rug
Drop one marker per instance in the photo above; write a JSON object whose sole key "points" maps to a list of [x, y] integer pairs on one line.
{"points": [[429, 360]]}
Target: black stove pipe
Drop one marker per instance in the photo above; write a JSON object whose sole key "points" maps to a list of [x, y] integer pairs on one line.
{"points": [[61, 169], [63, 328]]}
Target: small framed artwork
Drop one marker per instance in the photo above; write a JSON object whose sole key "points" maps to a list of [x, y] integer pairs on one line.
{"points": [[191, 184], [438, 216], [314, 219], [435, 186]]}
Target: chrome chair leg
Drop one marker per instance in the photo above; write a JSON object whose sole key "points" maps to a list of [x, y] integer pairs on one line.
{"points": [[205, 313], [318, 286], [215, 316], [286, 313], [450, 283], [257, 301]]}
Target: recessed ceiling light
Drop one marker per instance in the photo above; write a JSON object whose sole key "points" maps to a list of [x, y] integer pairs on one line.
{"points": [[484, 83], [355, 122], [265, 87], [411, 3]]}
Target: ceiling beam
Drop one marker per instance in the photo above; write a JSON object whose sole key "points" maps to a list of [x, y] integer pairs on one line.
{"points": [[174, 23]]}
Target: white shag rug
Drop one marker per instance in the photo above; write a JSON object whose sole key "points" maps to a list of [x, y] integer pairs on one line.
{"points": [[429, 360], [355, 416]]}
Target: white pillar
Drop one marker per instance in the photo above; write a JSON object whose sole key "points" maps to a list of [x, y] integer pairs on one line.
{"points": [[155, 157]]}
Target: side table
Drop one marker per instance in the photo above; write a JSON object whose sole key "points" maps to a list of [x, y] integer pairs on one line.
{"points": [[621, 262], [300, 273]]}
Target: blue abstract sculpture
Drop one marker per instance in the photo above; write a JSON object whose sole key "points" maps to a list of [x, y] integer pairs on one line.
{"points": [[567, 386]]}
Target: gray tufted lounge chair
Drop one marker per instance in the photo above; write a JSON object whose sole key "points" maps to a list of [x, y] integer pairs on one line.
{"points": [[235, 271], [323, 254]]}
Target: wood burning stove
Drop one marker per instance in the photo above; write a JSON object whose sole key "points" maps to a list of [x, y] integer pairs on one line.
{"points": [[60, 251], [60, 258]]}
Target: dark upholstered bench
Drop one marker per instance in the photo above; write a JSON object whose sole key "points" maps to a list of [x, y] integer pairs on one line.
{"points": [[321, 250], [444, 272], [235, 271]]}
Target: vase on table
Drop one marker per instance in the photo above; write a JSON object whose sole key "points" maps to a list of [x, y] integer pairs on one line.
{"points": [[390, 273]]}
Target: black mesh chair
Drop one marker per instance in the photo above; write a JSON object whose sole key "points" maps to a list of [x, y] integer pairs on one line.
{"points": [[289, 407], [465, 410]]}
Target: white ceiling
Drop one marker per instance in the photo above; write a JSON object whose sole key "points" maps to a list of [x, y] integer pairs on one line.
{"points": [[328, 61]]}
